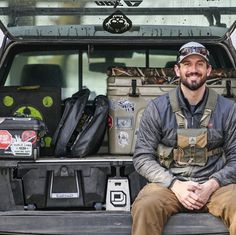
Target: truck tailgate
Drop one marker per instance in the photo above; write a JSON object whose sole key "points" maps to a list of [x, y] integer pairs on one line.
{"points": [[100, 223]]}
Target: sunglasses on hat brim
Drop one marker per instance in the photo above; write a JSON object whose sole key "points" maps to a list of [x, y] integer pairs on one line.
{"points": [[189, 50]]}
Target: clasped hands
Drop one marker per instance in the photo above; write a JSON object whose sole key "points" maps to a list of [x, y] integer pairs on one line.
{"points": [[193, 195]]}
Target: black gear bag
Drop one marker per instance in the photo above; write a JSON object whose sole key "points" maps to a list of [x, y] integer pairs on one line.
{"points": [[82, 127]]}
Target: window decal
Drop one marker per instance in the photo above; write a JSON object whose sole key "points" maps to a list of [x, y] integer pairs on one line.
{"points": [[117, 23]]}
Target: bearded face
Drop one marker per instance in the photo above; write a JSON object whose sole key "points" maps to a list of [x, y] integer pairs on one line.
{"points": [[193, 81], [193, 72]]}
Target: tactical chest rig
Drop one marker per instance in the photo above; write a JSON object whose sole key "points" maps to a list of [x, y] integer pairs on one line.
{"points": [[191, 146]]}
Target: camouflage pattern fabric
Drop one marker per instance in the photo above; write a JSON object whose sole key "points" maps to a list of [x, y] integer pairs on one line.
{"points": [[166, 75]]}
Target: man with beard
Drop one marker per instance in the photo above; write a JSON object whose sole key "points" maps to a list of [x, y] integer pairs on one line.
{"points": [[186, 149]]}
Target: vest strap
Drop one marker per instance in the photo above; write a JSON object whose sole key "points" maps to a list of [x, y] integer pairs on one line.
{"points": [[181, 120], [210, 106]]}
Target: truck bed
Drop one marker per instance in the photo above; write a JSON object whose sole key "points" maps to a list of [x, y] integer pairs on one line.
{"points": [[49, 218]]}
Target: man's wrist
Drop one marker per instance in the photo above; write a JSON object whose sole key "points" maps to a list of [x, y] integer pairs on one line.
{"points": [[214, 184], [174, 183]]}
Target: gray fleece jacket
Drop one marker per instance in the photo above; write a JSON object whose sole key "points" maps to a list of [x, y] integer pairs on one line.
{"points": [[158, 125]]}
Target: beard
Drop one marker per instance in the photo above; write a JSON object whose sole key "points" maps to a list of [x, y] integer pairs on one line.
{"points": [[193, 85]]}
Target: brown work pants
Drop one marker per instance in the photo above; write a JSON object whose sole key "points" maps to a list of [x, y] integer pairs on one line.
{"points": [[155, 204]]}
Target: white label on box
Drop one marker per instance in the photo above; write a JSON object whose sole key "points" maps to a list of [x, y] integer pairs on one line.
{"points": [[126, 105], [123, 139], [124, 122], [21, 148]]}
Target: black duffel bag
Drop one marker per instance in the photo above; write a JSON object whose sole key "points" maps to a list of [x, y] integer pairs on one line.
{"points": [[82, 127]]}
